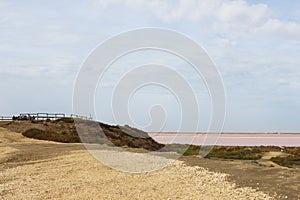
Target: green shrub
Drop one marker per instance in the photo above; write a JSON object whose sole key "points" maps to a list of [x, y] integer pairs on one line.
{"points": [[288, 161], [235, 153], [192, 150], [245, 153]]}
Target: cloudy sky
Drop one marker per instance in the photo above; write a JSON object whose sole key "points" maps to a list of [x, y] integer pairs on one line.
{"points": [[254, 44]]}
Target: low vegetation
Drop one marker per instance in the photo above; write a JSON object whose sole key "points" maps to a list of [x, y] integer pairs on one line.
{"points": [[192, 150], [52, 136], [247, 153], [289, 161], [241, 153], [244, 153]]}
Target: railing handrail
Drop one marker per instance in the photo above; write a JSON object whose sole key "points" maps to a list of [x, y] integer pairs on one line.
{"points": [[5, 118], [82, 117], [42, 116]]}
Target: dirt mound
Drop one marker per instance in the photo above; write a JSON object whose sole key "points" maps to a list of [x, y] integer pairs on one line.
{"points": [[66, 130], [52, 136], [8, 136]]}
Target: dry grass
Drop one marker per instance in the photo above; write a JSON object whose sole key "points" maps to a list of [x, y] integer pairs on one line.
{"points": [[291, 160], [51, 136]]}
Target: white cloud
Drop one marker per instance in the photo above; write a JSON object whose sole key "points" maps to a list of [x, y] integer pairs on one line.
{"points": [[278, 27], [241, 13], [230, 18], [183, 10]]}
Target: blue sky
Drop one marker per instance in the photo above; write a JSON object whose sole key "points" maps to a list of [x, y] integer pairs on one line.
{"points": [[254, 44]]}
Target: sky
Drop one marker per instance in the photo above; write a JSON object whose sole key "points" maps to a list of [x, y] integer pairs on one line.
{"points": [[254, 44]]}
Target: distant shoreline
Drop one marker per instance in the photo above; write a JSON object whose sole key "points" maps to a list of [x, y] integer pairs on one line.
{"points": [[228, 139], [274, 133]]}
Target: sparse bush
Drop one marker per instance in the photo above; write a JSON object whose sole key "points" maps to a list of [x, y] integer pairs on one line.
{"points": [[236, 153], [288, 161], [192, 150], [291, 160], [245, 153]]}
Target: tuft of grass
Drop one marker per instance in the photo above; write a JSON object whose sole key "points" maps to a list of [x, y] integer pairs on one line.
{"points": [[192, 150], [293, 150]]}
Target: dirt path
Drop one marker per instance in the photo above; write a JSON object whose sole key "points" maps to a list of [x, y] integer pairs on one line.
{"points": [[32, 169]]}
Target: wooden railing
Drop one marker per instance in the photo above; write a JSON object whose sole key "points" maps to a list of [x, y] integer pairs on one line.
{"points": [[5, 118], [42, 116], [81, 117]]}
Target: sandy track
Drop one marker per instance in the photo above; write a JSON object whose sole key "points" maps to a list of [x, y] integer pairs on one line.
{"points": [[32, 169]]}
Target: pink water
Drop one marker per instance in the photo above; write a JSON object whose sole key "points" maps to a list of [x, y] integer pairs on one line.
{"points": [[229, 139]]}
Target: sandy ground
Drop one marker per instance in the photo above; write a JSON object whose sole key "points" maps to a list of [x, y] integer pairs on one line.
{"points": [[33, 169]]}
